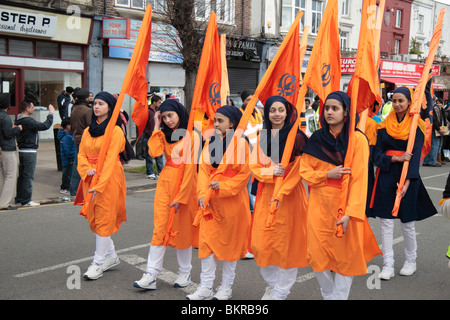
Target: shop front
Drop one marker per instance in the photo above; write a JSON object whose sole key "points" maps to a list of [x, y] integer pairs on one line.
{"points": [[38, 57]]}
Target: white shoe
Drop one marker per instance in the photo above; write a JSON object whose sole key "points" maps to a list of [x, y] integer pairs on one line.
{"points": [[148, 281], [31, 204], [94, 272], [152, 176], [110, 262], [64, 191], [387, 273], [249, 255], [223, 293], [268, 294], [183, 280], [202, 293], [408, 268]]}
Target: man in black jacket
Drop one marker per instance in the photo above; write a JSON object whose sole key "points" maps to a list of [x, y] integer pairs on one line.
{"points": [[28, 143], [8, 163]]}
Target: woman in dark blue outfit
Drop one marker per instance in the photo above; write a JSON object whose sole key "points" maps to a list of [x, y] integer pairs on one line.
{"points": [[389, 155]]}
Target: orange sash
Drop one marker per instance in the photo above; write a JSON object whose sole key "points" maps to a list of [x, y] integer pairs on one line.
{"points": [[391, 153]]}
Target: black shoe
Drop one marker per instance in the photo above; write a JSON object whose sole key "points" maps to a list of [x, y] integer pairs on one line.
{"points": [[436, 165], [426, 165], [7, 208]]}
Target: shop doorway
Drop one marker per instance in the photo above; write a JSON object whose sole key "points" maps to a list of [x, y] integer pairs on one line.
{"points": [[9, 83]]}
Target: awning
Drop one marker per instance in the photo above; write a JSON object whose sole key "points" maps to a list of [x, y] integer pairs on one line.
{"points": [[441, 83], [438, 82], [410, 82]]}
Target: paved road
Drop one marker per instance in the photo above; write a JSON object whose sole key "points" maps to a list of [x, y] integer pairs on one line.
{"points": [[45, 250]]}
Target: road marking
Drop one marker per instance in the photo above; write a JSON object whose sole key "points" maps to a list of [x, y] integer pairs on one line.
{"points": [[435, 176], [66, 264], [165, 275], [433, 188], [311, 275]]}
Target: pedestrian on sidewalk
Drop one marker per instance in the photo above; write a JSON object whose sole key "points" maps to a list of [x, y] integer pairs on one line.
{"points": [[28, 143], [67, 154], [107, 209], [8, 164], [149, 128], [80, 119]]}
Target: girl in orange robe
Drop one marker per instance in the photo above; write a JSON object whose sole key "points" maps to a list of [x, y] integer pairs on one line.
{"points": [[170, 141], [279, 249], [107, 209], [224, 225], [322, 168]]}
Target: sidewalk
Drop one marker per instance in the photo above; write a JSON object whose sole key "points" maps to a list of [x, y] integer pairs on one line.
{"points": [[47, 178]]}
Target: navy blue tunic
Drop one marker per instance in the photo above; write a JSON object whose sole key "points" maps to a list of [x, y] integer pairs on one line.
{"points": [[416, 204]]}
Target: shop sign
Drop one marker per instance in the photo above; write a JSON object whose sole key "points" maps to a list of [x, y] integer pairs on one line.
{"points": [[28, 23], [116, 28], [164, 48], [244, 50], [405, 69]]}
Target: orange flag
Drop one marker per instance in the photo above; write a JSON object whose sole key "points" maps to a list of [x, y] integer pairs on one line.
{"points": [[225, 85], [285, 76], [323, 74], [268, 86], [207, 90], [364, 89], [366, 68], [135, 85], [414, 110]]}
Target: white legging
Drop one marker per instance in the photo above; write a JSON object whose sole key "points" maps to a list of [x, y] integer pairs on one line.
{"points": [[104, 247], [387, 239], [156, 258], [337, 289], [209, 272], [281, 280]]}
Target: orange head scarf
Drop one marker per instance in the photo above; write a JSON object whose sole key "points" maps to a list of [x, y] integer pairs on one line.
{"points": [[400, 130]]}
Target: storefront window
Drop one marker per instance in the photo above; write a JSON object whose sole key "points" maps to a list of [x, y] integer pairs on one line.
{"points": [[48, 50], [2, 46], [46, 86], [21, 48], [71, 52]]}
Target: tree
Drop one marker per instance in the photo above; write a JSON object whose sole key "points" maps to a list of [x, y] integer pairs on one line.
{"points": [[181, 15], [414, 47]]}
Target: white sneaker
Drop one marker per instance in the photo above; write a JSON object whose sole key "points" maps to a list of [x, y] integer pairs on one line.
{"points": [[110, 262], [31, 204], [202, 293], [183, 280], [268, 294], [94, 272], [248, 255], [64, 191], [408, 268], [387, 273], [152, 176], [148, 281], [223, 293]]}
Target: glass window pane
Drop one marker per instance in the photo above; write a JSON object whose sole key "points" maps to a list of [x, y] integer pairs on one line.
{"points": [[3, 46], [21, 48], [46, 86], [71, 52], [286, 17], [47, 50]]}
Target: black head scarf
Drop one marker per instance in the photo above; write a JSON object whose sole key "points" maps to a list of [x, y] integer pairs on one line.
{"points": [[98, 129], [175, 106], [216, 142], [322, 144], [273, 146]]}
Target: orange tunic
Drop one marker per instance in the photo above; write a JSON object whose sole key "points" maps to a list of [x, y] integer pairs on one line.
{"points": [[371, 131], [284, 243], [226, 234], [347, 255], [107, 210], [187, 197]]}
